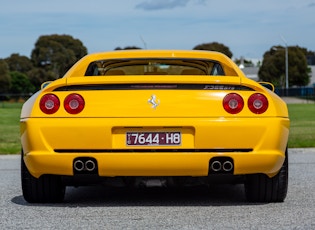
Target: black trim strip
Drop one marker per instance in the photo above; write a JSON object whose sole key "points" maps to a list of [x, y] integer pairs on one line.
{"points": [[152, 86], [150, 150]]}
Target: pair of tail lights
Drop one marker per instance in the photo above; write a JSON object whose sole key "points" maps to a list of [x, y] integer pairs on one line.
{"points": [[233, 103], [257, 103], [73, 103]]}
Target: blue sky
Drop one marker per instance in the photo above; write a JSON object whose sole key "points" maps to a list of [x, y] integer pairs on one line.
{"points": [[247, 27]]}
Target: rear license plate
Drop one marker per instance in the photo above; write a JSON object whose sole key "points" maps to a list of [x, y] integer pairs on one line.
{"points": [[153, 138]]}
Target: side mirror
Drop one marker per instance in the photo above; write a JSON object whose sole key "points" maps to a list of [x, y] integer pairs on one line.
{"points": [[45, 84], [267, 85]]}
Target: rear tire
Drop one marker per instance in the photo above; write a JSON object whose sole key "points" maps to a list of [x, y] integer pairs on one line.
{"points": [[45, 189], [261, 188]]}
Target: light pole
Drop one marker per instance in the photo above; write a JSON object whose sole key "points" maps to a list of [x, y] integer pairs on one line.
{"points": [[286, 66]]}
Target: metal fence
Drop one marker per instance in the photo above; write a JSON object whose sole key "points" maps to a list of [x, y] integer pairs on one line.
{"points": [[301, 92], [14, 97]]}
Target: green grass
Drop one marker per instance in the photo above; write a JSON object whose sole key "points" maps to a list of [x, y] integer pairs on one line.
{"points": [[302, 130], [9, 128]]}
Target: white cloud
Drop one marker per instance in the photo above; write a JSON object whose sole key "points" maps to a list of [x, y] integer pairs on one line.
{"points": [[162, 4], [166, 4]]}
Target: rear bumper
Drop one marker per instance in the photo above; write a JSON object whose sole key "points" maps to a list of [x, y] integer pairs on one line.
{"points": [[154, 164], [265, 137]]}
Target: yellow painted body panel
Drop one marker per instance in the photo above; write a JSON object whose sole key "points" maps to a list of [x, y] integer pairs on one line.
{"points": [[154, 164], [173, 103], [267, 137], [198, 114]]}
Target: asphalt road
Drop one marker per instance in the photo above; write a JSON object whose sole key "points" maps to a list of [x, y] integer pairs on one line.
{"points": [[220, 207]]}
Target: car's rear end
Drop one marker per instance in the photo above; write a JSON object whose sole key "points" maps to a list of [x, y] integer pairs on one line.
{"points": [[154, 126]]}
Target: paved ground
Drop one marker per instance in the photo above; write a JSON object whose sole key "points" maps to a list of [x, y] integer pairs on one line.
{"points": [[217, 207], [295, 100]]}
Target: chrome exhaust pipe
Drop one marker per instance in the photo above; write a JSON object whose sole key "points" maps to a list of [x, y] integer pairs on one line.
{"points": [[227, 166], [78, 165], [89, 165], [216, 166]]}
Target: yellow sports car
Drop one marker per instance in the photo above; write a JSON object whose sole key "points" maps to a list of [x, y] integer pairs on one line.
{"points": [[154, 117]]}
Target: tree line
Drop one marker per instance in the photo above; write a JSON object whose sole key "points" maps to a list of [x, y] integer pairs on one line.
{"points": [[54, 54]]}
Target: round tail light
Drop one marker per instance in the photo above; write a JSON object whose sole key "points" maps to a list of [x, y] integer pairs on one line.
{"points": [[49, 103], [233, 103], [74, 103], [258, 103]]}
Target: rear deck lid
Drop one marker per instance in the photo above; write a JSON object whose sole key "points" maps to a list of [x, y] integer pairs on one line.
{"points": [[136, 96]]}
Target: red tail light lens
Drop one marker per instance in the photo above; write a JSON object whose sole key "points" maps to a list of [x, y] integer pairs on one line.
{"points": [[49, 103], [74, 103], [233, 103], [258, 103]]}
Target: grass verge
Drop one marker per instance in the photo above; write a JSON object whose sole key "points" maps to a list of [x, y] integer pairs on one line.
{"points": [[302, 128], [9, 128]]}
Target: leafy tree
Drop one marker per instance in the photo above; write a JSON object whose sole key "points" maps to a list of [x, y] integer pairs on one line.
{"points": [[19, 67], [5, 79], [273, 66], [38, 76], [19, 63], [310, 56], [57, 53], [20, 83], [215, 46]]}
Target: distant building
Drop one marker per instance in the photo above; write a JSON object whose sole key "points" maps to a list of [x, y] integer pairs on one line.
{"points": [[252, 73], [310, 60], [312, 80]]}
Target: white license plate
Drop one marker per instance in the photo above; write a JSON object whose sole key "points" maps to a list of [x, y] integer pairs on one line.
{"points": [[153, 138]]}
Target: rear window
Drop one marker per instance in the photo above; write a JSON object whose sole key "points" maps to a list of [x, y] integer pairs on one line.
{"points": [[154, 67]]}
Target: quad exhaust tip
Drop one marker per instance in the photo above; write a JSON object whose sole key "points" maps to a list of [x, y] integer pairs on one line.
{"points": [[227, 166], [78, 165], [216, 166], [89, 165], [221, 165], [84, 165]]}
